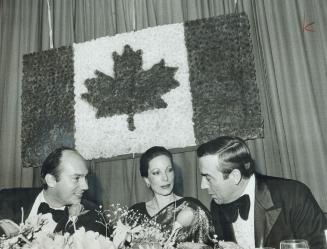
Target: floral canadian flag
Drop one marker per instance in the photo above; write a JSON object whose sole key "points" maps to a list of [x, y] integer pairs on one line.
{"points": [[175, 85]]}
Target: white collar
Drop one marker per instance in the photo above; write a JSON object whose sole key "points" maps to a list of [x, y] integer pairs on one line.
{"points": [[250, 187]]}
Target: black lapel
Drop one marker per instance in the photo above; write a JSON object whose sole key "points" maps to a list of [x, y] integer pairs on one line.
{"points": [[265, 214]]}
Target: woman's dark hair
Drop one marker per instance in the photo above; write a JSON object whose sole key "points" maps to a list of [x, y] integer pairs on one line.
{"points": [[232, 152], [149, 155]]}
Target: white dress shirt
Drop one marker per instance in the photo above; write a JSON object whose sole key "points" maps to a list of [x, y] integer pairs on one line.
{"points": [[244, 229], [33, 217]]}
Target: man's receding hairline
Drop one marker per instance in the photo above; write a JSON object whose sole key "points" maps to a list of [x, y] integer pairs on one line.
{"points": [[68, 152], [71, 152]]}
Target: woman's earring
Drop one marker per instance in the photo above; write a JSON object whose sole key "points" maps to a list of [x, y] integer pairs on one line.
{"points": [[148, 185]]}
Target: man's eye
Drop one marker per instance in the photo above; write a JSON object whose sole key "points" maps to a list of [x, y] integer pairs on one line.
{"points": [[170, 169]]}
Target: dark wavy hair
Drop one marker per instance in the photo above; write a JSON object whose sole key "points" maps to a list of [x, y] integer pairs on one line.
{"points": [[151, 153], [232, 152], [51, 164]]}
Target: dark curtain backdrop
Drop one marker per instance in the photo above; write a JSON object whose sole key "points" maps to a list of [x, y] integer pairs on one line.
{"points": [[291, 75]]}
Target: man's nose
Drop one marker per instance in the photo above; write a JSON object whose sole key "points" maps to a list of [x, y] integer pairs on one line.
{"points": [[204, 183], [83, 184]]}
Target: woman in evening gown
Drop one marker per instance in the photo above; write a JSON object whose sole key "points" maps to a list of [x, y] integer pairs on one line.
{"points": [[182, 219]]}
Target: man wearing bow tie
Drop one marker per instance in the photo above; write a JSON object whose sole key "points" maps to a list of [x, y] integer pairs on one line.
{"points": [[63, 174], [59, 203], [251, 210]]}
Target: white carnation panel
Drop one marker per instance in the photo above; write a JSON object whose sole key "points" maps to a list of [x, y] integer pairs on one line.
{"points": [[171, 127]]}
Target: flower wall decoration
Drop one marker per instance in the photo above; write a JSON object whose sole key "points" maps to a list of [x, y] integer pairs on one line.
{"points": [[174, 85], [222, 78], [171, 126], [128, 93], [47, 104]]}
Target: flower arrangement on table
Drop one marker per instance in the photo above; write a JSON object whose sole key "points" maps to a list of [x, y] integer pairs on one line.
{"points": [[140, 232], [148, 235], [31, 236]]}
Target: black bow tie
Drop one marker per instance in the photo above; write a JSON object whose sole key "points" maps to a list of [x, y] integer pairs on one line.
{"points": [[58, 216], [240, 206]]}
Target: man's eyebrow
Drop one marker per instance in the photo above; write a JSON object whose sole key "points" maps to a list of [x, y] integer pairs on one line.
{"points": [[78, 174]]}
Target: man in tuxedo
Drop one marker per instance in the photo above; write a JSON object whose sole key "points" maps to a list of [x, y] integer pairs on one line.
{"points": [[251, 210], [59, 203]]}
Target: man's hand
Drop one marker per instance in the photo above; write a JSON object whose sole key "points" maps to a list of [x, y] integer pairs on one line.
{"points": [[229, 245], [9, 227]]}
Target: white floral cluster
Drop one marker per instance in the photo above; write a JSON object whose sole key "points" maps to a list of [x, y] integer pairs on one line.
{"points": [[131, 227], [171, 127], [34, 238], [136, 229]]}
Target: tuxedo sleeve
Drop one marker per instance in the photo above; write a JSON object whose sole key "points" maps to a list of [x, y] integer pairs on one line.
{"points": [[223, 228], [308, 220]]}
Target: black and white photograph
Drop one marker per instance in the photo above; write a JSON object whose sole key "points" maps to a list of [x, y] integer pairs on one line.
{"points": [[163, 124]]}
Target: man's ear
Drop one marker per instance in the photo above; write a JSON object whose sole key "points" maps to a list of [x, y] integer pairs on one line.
{"points": [[50, 180], [235, 176]]}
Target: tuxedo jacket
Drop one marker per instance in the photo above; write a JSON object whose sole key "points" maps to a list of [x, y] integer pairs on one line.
{"points": [[283, 209], [14, 200]]}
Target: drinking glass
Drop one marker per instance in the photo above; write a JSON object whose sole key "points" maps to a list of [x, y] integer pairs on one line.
{"points": [[294, 244]]}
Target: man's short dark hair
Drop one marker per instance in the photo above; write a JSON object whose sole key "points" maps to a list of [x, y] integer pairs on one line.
{"points": [[51, 164], [149, 155], [232, 152]]}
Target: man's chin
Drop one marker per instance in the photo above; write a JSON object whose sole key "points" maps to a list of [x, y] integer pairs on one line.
{"points": [[75, 201]]}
